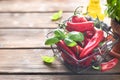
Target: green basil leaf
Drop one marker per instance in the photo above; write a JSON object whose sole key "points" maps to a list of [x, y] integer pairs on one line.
{"points": [[48, 59], [59, 34], [70, 42], [96, 67], [57, 15], [76, 36], [51, 41]]}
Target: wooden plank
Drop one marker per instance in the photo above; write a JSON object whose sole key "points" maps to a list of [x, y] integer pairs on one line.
{"points": [[39, 5], [60, 77], [23, 38], [32, 20], [29, 20], [29, 61]]}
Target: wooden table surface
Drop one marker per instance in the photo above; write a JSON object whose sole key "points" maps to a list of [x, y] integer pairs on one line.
{"points": [[23, 27]]}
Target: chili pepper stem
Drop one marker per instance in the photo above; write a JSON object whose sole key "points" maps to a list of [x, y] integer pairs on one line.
{"points": [[75, 12]]}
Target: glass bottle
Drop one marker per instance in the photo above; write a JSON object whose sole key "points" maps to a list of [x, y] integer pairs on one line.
{"points": [[94, 9]]}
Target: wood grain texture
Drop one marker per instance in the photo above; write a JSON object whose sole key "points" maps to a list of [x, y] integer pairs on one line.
{"points": [[23, 38], [29, 61], [24, 25], [59, 77], [39, 5], [29, 20]]}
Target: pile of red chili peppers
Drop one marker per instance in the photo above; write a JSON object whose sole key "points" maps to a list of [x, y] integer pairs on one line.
{"points": [[92, 39]]}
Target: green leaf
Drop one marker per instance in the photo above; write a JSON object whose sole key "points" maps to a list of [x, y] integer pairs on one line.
{"points": [[70, 42], [59, 34], [51, 41], [96, 67], [101, 43], [48, 59], [111, 2], [118, 19], [113, 9], [57, 15], [76, 36]]}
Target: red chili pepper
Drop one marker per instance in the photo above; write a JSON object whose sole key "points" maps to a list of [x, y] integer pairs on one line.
{"points": [[62, 44], [89, 34], [68, 59], [108, 65], [69, 28], [77, 19], [88, 61], [86, 40], [81, 27], [94, 41], [76, 49]]}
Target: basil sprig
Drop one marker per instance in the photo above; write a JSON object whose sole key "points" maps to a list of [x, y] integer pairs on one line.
{"points": [[70, 38]]}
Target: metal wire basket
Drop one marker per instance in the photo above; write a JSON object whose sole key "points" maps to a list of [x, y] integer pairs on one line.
{"points": [[99, 55]]}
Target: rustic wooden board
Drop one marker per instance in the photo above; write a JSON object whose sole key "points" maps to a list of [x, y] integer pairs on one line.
{"points": [[24, 25], [60, 77], [23, 38], [40, 5], [29, 61], [30, 20]]}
